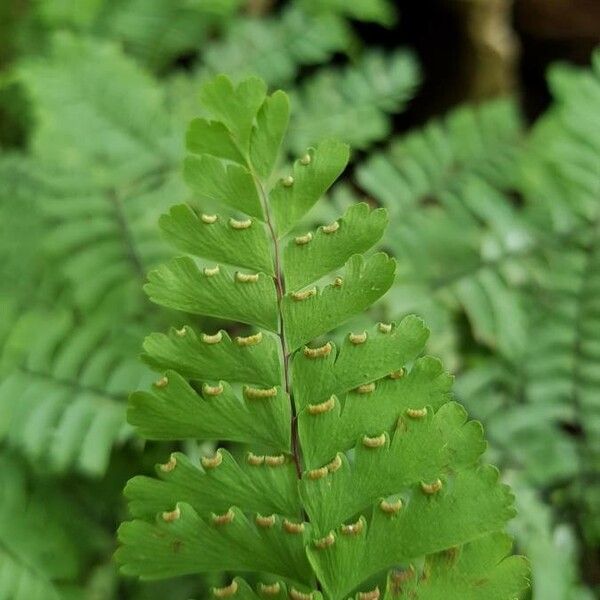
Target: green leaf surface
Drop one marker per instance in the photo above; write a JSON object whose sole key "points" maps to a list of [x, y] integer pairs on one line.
{"points": [[218, 241], [176, 411], [421, 449], [316, 379], [267, 135], [306, 261], [186, 352], [189, 544], [363, 282], [260, 489], [356, 414], [212, 137], [310, 181], [228, 184], [235, 106], [469, 505], [181, 285], [479, 570]]}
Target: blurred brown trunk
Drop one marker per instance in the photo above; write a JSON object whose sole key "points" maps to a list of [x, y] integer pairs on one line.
{"points": [[493, 47]]}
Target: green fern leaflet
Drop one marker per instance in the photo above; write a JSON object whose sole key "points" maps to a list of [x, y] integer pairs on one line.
{"points": [[358, 467]]}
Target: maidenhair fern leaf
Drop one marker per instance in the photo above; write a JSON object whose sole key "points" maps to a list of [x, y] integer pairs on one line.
{"points": [[355, 460]]}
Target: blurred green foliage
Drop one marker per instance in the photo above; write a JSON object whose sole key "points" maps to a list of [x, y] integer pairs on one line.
{"points": [[495, 226]]}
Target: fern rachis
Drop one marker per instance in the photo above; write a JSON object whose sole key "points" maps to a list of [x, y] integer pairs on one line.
{"points": [[357, 461]]}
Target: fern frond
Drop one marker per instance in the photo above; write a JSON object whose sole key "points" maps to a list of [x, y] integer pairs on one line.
{"points": [[153, 31], [460, 244], [100, 190], [45, 539], [275, 48], [397, 474], [353, 104], [550, 546], [63, 405], [478, 141], [560, 173], [562, 369]]}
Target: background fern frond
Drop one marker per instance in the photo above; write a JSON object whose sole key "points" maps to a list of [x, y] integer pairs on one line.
{"points": [[46, 540], [353, 104], [460, 244]]}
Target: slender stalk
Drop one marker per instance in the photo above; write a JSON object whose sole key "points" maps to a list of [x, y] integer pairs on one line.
{"points": [[280, 287]]}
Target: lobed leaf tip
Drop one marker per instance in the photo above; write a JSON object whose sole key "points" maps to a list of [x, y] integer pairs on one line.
{"points": [[306, 159], [181, 332]]}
